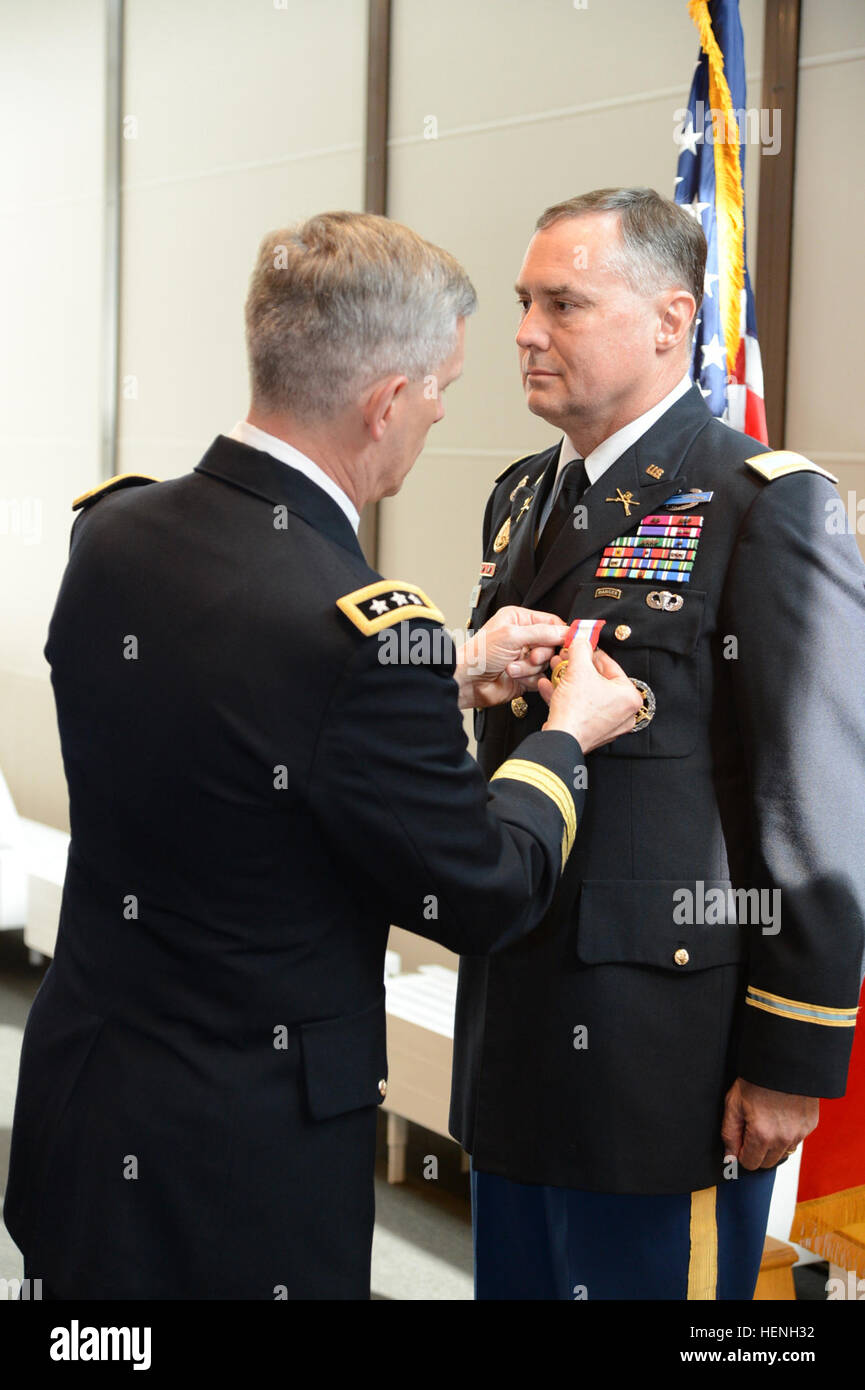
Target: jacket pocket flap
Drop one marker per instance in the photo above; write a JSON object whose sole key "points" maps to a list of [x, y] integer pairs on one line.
{"points": [[670, 923], [345, 1061], [624, 605]]}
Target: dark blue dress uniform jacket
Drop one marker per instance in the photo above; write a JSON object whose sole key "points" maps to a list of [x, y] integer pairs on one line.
{"points": [[254, 797], [750, 775]]}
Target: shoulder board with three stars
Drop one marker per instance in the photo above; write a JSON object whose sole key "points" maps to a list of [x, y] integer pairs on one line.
{"points": [[779, 462], [386, 602], [114, 484]]}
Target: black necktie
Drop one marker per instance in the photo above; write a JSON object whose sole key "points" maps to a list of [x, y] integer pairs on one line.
{"points": [[573, 484]]}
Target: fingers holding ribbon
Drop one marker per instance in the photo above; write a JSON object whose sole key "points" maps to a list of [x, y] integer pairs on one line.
{"points": [[590, 629]]}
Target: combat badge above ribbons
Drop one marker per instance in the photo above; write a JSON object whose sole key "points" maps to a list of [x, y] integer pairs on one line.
{"points": [[386, 602], [684, 501]]}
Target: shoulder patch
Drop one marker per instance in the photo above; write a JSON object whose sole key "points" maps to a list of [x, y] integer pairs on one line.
{"points": [[113, 485], [778, 462], [386, 602]]}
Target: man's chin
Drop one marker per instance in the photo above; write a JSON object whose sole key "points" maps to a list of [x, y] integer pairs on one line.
{"points": [[539, 403]]}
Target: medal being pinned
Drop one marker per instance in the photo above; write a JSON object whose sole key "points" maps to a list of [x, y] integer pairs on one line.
{"points": [[591, 628], [584, 627]]}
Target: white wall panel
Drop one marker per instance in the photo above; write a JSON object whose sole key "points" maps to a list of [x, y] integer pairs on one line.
{"points": [[242, 117], [52, 83], [825, 399]]}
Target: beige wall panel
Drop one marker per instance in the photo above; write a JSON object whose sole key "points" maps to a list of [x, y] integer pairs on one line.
{"points": [[52, 63], [432, 530], [189, 249], [248, 117], [496, 59], [226, 82], [825, 399], [49, 409], [830, 26], [39, 483], [850, 473], [825, 403], [30, 749]]}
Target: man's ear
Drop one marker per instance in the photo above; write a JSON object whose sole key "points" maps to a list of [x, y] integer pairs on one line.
{"points": [[378, 407], [675, 315]]}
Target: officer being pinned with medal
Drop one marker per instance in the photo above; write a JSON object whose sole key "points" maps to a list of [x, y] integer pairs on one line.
{"points": [[625, 1122]]}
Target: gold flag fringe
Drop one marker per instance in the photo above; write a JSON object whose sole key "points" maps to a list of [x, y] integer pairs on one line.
{"points": [[820, 1225], [729, 195]]}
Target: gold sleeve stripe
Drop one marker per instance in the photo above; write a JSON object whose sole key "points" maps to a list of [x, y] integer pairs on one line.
{"points": [[800, 1011], [534, 775], [703, 1259]]}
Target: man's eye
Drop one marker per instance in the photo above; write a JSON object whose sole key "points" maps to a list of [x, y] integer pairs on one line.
{"points": [[522, 305], [564, 304]]}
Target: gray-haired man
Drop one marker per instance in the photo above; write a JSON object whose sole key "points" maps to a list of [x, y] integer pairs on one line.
{"points": [[628, 1077], [255, 795]]}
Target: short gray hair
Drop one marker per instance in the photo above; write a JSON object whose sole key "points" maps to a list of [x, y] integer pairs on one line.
{"points": [[339, 301], [663, 246]]}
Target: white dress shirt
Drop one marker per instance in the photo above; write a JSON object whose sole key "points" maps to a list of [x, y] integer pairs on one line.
{"points": [[611, 449], [245, 433]]}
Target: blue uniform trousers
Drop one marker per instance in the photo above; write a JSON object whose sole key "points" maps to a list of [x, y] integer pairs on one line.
{"points": [[538, 1242]]}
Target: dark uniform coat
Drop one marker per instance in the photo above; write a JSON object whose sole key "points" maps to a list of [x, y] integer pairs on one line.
{"points": [[255, 794], [597, 1052]]}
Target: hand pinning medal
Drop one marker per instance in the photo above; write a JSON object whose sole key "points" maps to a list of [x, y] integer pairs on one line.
{"points": [[586, 627], [591, 629]]}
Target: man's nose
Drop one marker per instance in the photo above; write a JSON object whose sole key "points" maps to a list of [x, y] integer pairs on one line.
{"points": [[532, 331]]}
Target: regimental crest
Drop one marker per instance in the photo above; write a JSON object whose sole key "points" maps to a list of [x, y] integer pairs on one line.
{"points": [[386, 602]]}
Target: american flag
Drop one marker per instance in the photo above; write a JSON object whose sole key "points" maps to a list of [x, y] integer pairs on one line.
{"points": [[726, 360]]}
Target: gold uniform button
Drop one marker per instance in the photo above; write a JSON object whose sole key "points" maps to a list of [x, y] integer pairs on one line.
{"points": [[520, 706], [382, 1088], [681, 956], [623, 632]]}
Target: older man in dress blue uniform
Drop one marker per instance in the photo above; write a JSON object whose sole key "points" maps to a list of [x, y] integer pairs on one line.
{"points": [[255, 794]]}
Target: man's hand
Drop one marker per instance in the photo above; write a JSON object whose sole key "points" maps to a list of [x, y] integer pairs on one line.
{"points": [[595, 701], [506, 656], [761, 1127]]}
